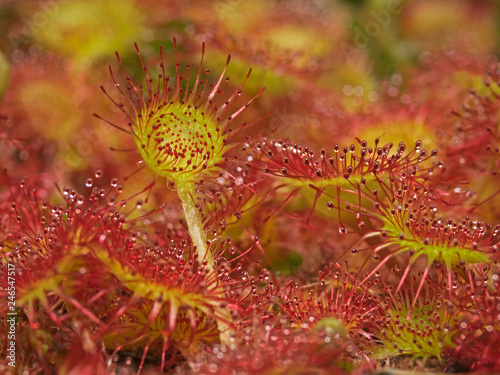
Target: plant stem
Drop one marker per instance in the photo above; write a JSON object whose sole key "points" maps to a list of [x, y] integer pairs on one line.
{"points": [[199, 238], [194, 223]]}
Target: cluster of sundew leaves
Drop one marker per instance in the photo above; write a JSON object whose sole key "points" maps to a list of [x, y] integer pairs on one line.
{"points": [[406, 207], [56, 277], [338, 174], [407, 210], [334, 302], [444, 322], [427, 331], [180, 131], [401, 200], [457, 325], [386, 190], [85, 262]]}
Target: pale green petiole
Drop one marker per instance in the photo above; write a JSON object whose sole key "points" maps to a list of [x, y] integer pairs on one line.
{"points": [[199, 238]]}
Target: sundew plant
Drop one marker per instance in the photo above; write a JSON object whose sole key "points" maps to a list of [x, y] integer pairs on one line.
{"points": [[261, 187]]}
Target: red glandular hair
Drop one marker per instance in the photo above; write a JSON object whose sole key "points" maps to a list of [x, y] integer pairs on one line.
{"points": [[335, 295], [478, 299], [180, 131], [86, 263], [410, 223], [339, 173]]}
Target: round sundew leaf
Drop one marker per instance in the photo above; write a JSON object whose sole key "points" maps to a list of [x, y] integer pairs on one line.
{"points": [[181, 126], [180, 138], [425, 334]]}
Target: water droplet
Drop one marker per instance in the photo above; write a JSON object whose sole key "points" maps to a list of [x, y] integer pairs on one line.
{"points": [[89, 182]]}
